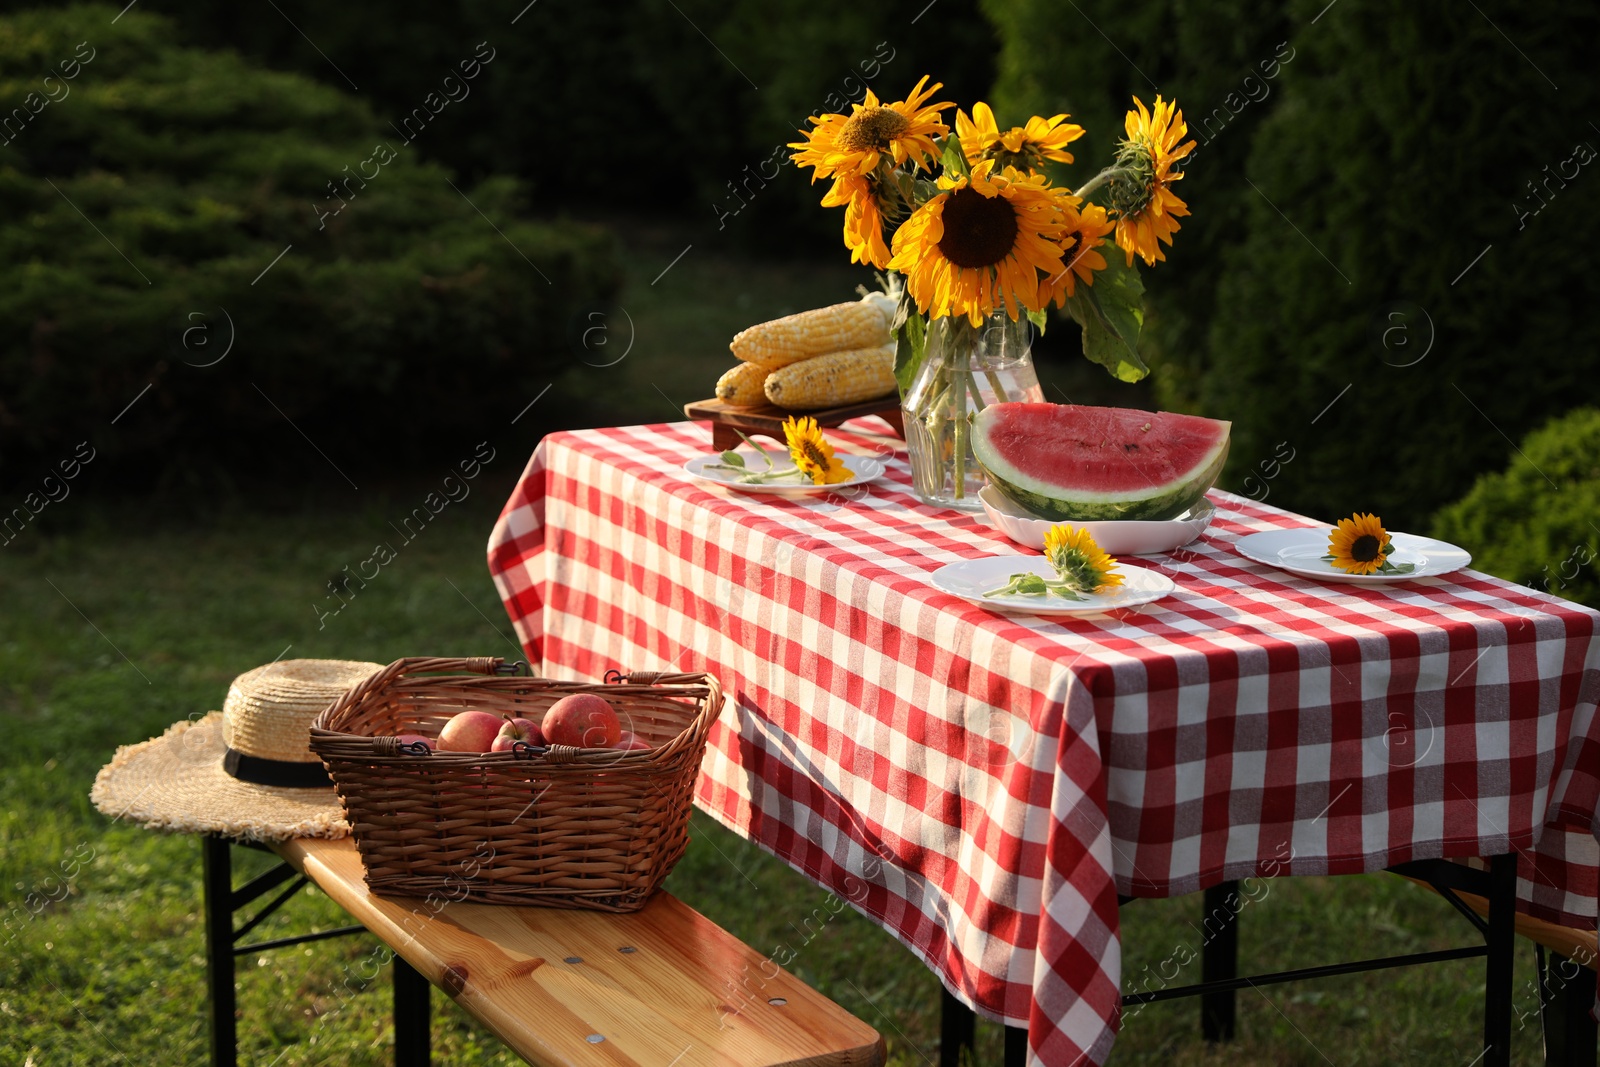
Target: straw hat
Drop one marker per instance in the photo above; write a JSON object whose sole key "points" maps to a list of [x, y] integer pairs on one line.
{"points": [[246, 771]]}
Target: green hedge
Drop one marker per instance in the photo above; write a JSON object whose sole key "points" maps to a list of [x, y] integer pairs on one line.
{"points": [[148, 206], [1400, 151], [1535, 521], [631, 107]]}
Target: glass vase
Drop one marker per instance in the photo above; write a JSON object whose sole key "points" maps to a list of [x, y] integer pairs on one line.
{"points": [[966, 369]]}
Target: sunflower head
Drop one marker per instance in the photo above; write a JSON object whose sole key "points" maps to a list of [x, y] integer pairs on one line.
{"points": [[864, 214], [853, 144], [1079, 561], [812, 453], [1086, 228], [980, 244], [1145, 207], [1359, 544], [1024, 147]]}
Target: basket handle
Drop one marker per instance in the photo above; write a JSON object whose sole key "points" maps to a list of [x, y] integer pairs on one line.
{"points": [[412, 665]]}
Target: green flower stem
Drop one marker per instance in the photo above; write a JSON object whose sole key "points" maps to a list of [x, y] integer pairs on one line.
{"points": [[958, 419], [1110, 174], [1000, 394]]}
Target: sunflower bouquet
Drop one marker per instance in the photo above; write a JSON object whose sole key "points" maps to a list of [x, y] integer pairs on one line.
{"points": [[983, 235]]}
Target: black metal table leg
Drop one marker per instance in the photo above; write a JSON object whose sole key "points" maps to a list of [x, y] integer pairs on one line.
{"points": [[1016, 1046], [1219, 960], [411, 1030], [1566, 994], [1501, 942], [958, 1029], [216, 865]]}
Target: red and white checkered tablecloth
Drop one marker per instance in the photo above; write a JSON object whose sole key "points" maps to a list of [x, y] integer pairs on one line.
{"points": [[983, 785]]}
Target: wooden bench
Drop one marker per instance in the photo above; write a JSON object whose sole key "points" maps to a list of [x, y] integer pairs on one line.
{"points": [[663, 985]]}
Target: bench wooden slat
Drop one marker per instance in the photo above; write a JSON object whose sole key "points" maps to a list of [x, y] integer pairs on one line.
{"points": [[1577, 945], [689, 995]]}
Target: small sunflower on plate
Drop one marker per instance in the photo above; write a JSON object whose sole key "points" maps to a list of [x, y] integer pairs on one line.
{"points": [[811, 452], [1081, 566], [813, 457], [1360, 545], [1072, 551]]}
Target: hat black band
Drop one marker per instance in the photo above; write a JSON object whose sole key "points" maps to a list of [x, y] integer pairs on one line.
{"points": [[261, 771]]}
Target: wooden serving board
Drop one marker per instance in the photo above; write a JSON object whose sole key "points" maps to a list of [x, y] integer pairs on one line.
{"points": [[768, 419], [663, 985]]}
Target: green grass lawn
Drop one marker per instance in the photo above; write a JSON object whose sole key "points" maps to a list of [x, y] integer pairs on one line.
{"points": [[120, 619]]}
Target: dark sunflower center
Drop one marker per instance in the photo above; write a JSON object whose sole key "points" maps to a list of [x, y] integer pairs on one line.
{"points": [[979, 231], [814, 454], [1365, 549], [873, 128]]}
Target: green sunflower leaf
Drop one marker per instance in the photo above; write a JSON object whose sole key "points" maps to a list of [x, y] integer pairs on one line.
{"points": [[954, 158], [1039, 318], [1111, 312], [911, 347]]}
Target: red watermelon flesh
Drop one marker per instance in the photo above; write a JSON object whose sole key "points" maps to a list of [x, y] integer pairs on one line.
{"points": [[1075, 462]]}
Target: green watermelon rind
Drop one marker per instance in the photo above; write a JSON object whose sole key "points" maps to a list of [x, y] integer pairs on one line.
{"points": [[1161, 503]]}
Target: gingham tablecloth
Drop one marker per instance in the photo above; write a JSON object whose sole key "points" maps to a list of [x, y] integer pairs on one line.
{"points": [[984, 785]]}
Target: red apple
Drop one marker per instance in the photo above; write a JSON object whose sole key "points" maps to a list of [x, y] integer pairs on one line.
{"points": [[414, 739], [469, 731], [631, 742], [513, 730], [582, 720]]}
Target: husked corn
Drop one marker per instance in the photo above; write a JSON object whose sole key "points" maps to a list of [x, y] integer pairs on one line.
{"points": [[842, 327], [741, 385], [836, 378]]}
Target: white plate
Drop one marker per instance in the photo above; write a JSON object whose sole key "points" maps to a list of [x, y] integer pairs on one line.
{"points": [[1118, 537], [864, 468], [1301, 551], [970, 578]]}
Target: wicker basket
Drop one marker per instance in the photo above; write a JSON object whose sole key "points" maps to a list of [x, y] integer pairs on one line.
{"points": [[560, 827]]}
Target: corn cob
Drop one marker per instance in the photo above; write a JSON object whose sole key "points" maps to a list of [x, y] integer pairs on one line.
{"points": [[741, 385], [858, 324], [837, 378]]}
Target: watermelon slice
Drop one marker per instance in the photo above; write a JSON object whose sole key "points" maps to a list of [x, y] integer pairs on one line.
{"points": [[1089, 464]]}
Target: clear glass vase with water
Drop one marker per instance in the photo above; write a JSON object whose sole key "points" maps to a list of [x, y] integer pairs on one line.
{"points": [[966, 369]]}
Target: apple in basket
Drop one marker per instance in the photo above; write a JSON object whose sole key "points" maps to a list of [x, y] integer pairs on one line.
{"points": [[513, 730], [632, 742], [582, 720], [470, 731], [417, 739]]}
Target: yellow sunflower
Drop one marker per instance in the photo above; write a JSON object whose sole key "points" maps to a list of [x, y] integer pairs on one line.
{"points": [[1023, 147], [1081, 562], [980, 244], [863, 218], [812, 453], [1086, 230], [1147, 210], [1359, 544], [852, 145]]}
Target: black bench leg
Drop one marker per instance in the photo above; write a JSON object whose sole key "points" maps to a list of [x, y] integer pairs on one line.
{"points": [[1501, 942], [1016, 1046], [1566, 994], [1219, 961], [411, 1031], [958, 1029], [216, 865]]}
